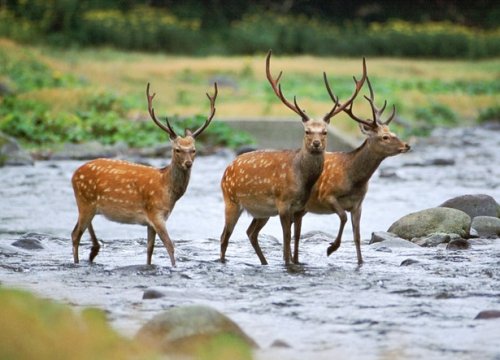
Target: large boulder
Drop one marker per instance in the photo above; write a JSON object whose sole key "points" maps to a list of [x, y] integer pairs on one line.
{"points": [[474, 205], [11, 152], [192, 330], [431, 221], [486, 226]]}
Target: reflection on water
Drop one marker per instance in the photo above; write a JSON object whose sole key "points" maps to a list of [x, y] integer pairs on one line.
{"points": [[403, 303]]}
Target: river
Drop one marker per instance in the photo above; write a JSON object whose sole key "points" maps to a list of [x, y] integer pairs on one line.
{"points": [[324, 308]]}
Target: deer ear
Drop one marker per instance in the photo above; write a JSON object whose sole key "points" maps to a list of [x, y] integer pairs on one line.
{"points": [[188, 132], [367, 130]]}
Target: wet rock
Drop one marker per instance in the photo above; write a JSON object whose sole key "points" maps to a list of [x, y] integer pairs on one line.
{"points": [[488, 314], [28, 244], [31, 241], [486, 226], [430, 221], [474, 205], [432, 240], [152, 293], [408, 262], [458, 244], [393, 243], [379, 236], [11, 152], [192, 329], [280, 344]]}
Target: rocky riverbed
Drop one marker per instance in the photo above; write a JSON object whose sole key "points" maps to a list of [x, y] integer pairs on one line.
{"points": [[404, 302]]}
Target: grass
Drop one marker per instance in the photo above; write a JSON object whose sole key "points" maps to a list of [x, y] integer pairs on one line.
{"points": [[467, 88]]}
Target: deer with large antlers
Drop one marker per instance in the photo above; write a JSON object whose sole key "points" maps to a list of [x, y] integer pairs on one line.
{"points": [[343, 183], [130, 193], [270, 183]]}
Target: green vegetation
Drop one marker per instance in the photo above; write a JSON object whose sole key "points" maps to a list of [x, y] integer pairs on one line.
{"points": [[47, 107], [199, 29], [34, 328], [53, 96], [490, 114]]}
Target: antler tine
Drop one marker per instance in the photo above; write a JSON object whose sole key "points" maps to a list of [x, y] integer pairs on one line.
{"points": [[334, 98], [339, 107], [348, 111], [392, 115], [168, 129], [377, 113], [212, 112], [279, 93]]}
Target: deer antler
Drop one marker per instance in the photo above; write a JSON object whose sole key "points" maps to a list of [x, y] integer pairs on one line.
{"points": [[338, 107], [376, 112], [277, 90], [212, 112], [168, 129]]}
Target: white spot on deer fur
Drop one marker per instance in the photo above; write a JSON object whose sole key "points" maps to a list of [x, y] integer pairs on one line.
{"points": [[151, 192]]}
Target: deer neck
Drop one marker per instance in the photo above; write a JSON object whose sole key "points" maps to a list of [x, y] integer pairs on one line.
{"points": [[308, 167], [364, 161], [177, 179]]}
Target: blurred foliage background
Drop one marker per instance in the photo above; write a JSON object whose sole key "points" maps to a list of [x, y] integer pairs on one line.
{"points": [[420, 28], [74, 71]]}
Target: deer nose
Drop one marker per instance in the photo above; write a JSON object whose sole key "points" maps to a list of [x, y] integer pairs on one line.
{"points": [[188, 164], [316, 143]]}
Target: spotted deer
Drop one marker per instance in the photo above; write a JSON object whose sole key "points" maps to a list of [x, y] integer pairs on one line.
{"points": [[343, 183], [130, 193], [270, 182]]}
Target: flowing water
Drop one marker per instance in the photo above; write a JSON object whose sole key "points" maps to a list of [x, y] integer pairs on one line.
{"points": [[326, 307]]}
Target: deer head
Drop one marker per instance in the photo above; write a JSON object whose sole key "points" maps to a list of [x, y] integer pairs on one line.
{"points": [[315, 131], [382, 140], [183, 147]]}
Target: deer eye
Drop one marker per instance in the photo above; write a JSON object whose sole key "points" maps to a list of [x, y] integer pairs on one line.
{"points": [[177, 151], [385, 137], [324, 132], [308, 132]]}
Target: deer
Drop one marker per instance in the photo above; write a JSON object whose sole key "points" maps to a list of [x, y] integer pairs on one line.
{"points": [[268, 183], [343, 184], [131, 193]]}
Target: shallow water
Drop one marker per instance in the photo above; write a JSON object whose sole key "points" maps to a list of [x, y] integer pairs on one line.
{"points": [[325, 307]]}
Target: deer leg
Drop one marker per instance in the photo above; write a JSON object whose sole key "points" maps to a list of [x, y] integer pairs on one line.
{"points": [[355, 220], [343, 219], [232, 213], [286, 223], [253, 234], [297, 222], [151, 243], [84, 219], [159, 227], [94, 250]]}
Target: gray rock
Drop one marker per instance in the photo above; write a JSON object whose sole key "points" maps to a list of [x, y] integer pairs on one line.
{"points": [[11, 152], [432, 240], [152, 294], [488, 314], [190, 329], [408, 262], [458, 244], [379, 236], [430, 221], [28, 244], [280, 344], [486, 226], [393, 243], [474, 205]]}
